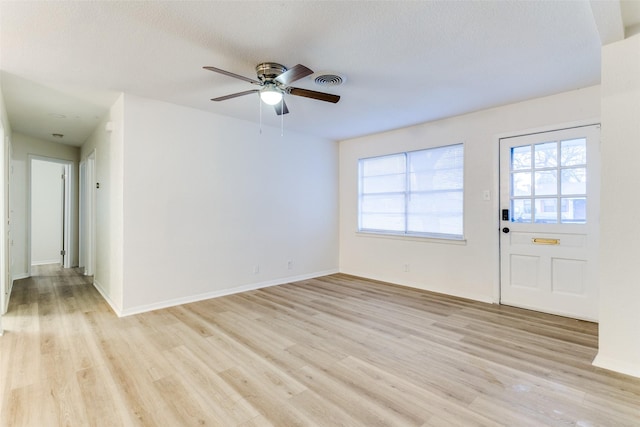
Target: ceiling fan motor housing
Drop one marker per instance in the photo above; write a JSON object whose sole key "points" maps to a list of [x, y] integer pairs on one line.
{"points": [[268, 71]]}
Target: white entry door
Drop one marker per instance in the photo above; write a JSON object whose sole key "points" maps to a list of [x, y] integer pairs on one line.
{"points": [[549, 197]]}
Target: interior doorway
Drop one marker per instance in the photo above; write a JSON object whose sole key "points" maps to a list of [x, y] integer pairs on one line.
{"points": [[50, 211]]}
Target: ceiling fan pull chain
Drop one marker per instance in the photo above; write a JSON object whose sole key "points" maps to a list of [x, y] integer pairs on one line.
{"points": [[260, 102], [282, 116]]}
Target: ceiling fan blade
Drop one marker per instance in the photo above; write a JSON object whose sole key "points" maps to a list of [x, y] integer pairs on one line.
{"points": [[281, 108], [235, 95], [293, 74], [320, 96], [230, 74]]}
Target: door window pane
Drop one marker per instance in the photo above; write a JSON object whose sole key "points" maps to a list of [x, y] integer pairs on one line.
{"points": [[521, 184], [574, 210], [521, 158], [546, 183], [546, 155], [521, 210], [573, 152], [574, 181], [546, 211]]}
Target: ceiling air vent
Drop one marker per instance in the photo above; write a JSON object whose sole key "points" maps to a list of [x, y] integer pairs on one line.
{"points": [[329, 80]]}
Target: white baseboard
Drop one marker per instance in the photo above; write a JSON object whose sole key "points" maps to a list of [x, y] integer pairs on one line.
{"points": [[45, 262], [19, 276], [215, 294], [4, 309], [611, 364], [422, 286], [106, 297]]}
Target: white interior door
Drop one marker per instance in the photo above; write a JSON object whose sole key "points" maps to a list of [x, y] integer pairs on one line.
{"points": [[549, 197], [49, 211], [46, 212]]}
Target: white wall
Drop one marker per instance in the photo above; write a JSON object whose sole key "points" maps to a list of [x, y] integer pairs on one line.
{"points": [[23, 146], [470, 269], [619, 347], [46, 212], [109, 163], [208, 200]]}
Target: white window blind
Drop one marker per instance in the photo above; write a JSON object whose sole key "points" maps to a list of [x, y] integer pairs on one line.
{"points": [[413, 193]]}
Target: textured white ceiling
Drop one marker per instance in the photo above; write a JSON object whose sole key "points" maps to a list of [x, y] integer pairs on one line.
{"points": [[405, 62]]}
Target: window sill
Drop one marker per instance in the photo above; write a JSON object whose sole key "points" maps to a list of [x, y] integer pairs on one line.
{"points": [[413, 238]]}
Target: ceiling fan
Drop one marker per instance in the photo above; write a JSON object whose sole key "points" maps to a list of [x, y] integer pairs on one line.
{"points": [[274, 80]]}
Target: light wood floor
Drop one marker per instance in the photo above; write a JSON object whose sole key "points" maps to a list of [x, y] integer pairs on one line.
{"points": [[325, 352]]}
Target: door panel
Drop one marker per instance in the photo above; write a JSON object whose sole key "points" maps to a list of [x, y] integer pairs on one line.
{"points": [[549, 183]]}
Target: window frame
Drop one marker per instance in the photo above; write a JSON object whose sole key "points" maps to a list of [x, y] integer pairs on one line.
{"points": [[407, 193]]}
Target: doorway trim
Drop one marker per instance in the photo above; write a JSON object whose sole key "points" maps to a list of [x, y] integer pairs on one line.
{"points": [[87, 209], [82, 196], [68, 205], [6, 281]]}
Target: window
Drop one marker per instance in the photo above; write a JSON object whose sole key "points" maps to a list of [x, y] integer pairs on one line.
{"points": [[417, 193], [549, 182]]}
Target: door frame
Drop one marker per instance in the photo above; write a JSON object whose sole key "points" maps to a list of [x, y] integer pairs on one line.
{"points": [[69, 197], [594, 121], [6, 282], [87, 209], [82, 196]]}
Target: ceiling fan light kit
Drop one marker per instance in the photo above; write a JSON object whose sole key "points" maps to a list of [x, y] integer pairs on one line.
{"points": [[271, 95], [274, 79]]}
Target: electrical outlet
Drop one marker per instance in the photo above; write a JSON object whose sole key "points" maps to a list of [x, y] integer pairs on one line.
{"points": [[289, 265], [256, 269], [406, 268]]}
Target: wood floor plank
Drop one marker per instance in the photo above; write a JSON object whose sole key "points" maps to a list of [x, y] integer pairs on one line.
{"points": [[25, 368], [259, 421], [335, 350], [64, 389], [101, 398], [20, 410], [348, 399], [185, 404], [208, 388], [321, 412], [258, 394]]}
